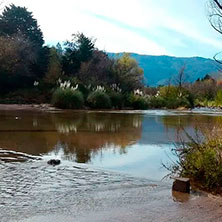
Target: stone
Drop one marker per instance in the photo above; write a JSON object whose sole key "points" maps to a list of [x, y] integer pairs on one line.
{"points": [[54, 162], [181, 185]]}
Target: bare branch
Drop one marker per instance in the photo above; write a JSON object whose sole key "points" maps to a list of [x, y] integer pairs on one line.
{"points": [[218, 4], [215, 58], [181, 77]]}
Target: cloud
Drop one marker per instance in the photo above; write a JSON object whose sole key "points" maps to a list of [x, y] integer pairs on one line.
{"points": [[142, 26]]}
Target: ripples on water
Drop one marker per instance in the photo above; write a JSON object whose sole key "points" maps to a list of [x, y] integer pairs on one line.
{"points": [[32, 187]]}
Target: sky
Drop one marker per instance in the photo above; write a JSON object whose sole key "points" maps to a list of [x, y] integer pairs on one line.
{"points": [[153, 27]]}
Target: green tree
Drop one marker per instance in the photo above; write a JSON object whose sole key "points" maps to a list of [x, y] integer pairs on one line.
{"points": [[18, 20], [128, 73], [78, 50], [59, 49], [219, 98], [16, 56], [54, 67]]}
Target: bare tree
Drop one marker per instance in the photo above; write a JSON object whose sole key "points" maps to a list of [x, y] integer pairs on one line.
{"points": [[215, 18], [215, 14], [181, 77]]}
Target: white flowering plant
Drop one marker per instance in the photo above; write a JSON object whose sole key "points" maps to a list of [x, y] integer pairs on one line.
{"points": [[36, 83], [67, 85], [99, 89], [138, 92], [116, 88]]}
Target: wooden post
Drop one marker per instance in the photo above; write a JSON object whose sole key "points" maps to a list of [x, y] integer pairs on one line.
{"points": [[181, 185]]}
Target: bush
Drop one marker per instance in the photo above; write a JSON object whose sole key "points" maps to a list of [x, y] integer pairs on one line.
{"points": [[219, 98], [172, 97], [201, 161], [67, 99], [178, 102], [99, 100], [205, 103], [137, 102], [204, 166], [157, 102], [116, 99]]}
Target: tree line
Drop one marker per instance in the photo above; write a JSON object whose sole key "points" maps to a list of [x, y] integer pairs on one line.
{"points": [[25, 59], [33, 72]]}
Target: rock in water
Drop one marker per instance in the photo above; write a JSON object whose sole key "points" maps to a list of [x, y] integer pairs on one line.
{"points": [[181, 185], [54, 162]]}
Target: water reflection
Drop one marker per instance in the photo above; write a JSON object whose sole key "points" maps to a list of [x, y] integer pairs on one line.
{"points": [[194, 125], [131, 142], [78, 136]]}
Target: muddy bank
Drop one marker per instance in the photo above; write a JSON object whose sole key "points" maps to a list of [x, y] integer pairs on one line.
{"points": [[31, 107]]}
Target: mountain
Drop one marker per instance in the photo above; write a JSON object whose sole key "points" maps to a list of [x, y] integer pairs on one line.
{"points": [[159, 69]]}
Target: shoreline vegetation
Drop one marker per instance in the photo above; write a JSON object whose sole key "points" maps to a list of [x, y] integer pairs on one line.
{"points": [[200, 159], [77, 75]]}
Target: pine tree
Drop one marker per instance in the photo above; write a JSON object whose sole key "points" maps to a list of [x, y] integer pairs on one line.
{"points": [[18, 20]]}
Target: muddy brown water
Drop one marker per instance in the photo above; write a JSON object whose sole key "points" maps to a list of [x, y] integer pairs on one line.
{"points": [[111, 167]]}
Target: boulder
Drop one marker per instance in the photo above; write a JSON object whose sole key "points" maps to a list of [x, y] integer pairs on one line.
{"points": [[54, 162]]}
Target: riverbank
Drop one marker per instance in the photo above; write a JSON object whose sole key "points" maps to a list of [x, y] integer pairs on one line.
{"points": [[28, 107], [49, 107]]}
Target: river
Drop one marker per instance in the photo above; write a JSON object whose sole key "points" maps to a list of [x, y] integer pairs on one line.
{"points": [[108, 160]]}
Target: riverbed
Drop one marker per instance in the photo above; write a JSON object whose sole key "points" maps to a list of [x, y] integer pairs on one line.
{"points": [[111, 166]]}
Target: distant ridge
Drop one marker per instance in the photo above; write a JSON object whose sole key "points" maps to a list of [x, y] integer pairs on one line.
{"points": [[158, 69]]}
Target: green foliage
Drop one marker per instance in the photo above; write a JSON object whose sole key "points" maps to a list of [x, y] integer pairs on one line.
{"points": [[24, 41], [204, 103], [16, 57], [138, 102], [157, 102], [117, 99], [78, 50], [99, 100], [218, 99], [200, 160], [127, 73], [17, 20], [173, 97], [67, 99], [54, 67], [169, 92], [204, 166]]}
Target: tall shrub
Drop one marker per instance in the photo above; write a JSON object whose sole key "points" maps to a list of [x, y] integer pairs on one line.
{"points": [[67, 99], [99, 100]]}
